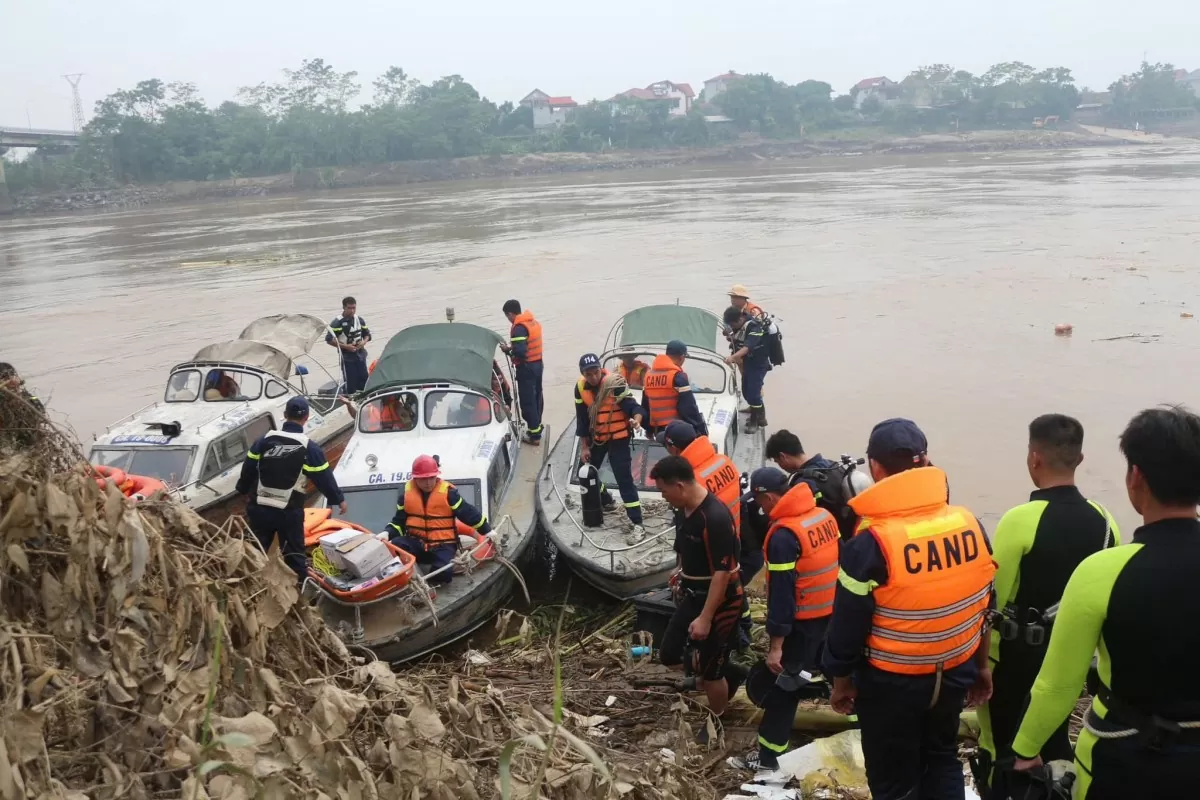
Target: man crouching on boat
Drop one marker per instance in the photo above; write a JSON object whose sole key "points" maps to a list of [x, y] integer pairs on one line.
{"points": [[425, 517]]}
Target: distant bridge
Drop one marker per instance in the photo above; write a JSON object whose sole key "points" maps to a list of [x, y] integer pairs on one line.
{"points": [[28, 137], [36, 137]]}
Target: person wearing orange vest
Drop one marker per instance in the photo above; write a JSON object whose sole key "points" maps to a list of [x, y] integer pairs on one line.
{"points": [[605, 432], [715, 470], [667, 392], [801, 550], [424, 524], [525, 348], [739, 298], [634, 370], [393, 412], [908, 643]]}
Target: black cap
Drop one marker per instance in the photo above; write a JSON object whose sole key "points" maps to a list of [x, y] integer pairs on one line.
{"points": [[897, 436], [768, 479], [676, 348], [296, 407], [588, 361], [678, 434]]}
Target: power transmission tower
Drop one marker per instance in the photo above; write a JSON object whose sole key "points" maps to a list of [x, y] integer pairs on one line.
{"points": [[76, 102]]}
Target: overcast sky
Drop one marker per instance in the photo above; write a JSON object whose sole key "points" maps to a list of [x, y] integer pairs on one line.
{"points": [[591, 50]]}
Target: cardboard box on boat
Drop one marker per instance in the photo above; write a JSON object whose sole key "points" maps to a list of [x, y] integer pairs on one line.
{"points": [[331, 542], [364, 557]]}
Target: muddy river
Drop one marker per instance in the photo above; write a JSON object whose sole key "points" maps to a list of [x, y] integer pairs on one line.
{"points": [[926, 287]]}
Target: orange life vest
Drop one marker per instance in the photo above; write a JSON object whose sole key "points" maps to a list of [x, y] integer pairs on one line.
{"points": [[533, 344], [718, 474], [753, 311], [817, 567], [611, 421], [430, 517], [932, 609], [381, 415], [661, 395], [636, 377]]}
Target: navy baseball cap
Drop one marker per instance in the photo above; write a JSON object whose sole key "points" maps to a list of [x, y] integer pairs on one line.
{"points": [[296, 407], [678, 434], [768, 479], [588, 361], [897, 435], [676, 348]]}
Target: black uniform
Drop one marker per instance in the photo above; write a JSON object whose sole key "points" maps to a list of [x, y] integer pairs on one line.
{"points": [[706, 543], [274, 474]]}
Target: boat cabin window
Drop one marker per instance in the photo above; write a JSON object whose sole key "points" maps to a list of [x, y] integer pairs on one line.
{"points": [[184, 386], [645, 455], [231, 385], [456, 410], [276, 389], [230, 450], [374, 508], [390, 413], [706, 376], [167, 464]]}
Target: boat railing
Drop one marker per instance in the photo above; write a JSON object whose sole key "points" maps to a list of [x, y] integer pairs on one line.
{"points": [[583, 534], [108, 428]]}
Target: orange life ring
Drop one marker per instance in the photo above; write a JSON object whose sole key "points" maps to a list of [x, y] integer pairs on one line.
{"points": [[319, 521], [484, 553], [142, 486], [106, 474]]}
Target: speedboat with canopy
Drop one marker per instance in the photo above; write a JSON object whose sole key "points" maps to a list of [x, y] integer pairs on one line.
{"points": [[436, 390], [217, 404], [600, 555]]}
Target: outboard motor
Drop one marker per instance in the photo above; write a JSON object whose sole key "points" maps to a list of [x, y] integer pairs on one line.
{"points": [[589, 486]]}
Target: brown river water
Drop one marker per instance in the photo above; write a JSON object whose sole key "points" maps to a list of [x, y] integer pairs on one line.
{"points": [[925, 286]]}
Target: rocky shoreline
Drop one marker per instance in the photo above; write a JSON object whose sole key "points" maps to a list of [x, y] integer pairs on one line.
{"points": [[516, 166]]}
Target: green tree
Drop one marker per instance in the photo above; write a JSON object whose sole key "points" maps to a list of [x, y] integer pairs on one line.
{"points": [[1150, 88]]}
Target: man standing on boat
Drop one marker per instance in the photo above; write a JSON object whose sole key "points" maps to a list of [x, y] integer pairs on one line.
{"points": [[667, 392], [350, 334], [274, 474], [425, 519], [525, 349], [708, 592], [908, 642], [753, 358], [605, 412]]}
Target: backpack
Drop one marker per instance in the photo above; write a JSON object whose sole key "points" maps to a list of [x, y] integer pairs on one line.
{"points": [[774, 341], [834, 490]]}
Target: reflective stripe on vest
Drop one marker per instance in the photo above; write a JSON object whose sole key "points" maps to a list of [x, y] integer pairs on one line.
{"points": [[430, 518], [661, 395], [281, 468], [718, 474], [533, 342], [611, 421], [816, 569], [932, 610]]}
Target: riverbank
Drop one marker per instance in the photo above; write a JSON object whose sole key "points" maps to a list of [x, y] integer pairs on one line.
{"points": [[849, 143]]}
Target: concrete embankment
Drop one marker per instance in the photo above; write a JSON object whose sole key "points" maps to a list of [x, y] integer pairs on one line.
{"points": [[847, 144]]}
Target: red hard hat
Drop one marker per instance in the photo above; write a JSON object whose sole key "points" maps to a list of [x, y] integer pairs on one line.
{"points": [[425, 467]]}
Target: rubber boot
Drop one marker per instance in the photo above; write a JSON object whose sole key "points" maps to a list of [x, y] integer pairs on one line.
{"points": [[762, 416], [752, 421]]}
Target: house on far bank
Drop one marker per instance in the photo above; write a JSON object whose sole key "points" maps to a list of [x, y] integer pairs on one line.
{"points": [[883, 89], [548, 111], [1189, 79], [714, 86], [678, 97]]}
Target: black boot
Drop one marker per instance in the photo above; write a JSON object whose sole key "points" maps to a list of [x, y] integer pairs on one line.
{"points": [[752, 421], [762, 416]]}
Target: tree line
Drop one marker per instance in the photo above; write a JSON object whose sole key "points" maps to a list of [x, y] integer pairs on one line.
{"points": [[161, 131]]}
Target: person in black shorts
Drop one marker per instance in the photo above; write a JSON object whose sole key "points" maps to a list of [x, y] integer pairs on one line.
{"points": [[709, 597]]}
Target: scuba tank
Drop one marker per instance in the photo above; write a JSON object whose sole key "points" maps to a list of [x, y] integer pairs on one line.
{"points": [[589, 486]]}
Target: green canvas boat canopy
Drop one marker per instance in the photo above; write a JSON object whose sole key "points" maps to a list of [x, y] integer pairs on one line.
{"points": [[693, 326], [444, 352]]}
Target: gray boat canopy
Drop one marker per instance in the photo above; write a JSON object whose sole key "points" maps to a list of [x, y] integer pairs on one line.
{"points": [[271, 344], [693, 326], [443, 352]]}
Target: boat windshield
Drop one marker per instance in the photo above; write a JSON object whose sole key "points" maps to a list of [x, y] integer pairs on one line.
{"points": [[231, 385], [374, 507], [645, 455], [388, 414], [184, 386], [706, 377], [168, 464], [456, 410]]}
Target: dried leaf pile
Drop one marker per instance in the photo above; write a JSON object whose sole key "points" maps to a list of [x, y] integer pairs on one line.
{"points": [[145, 652]]}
